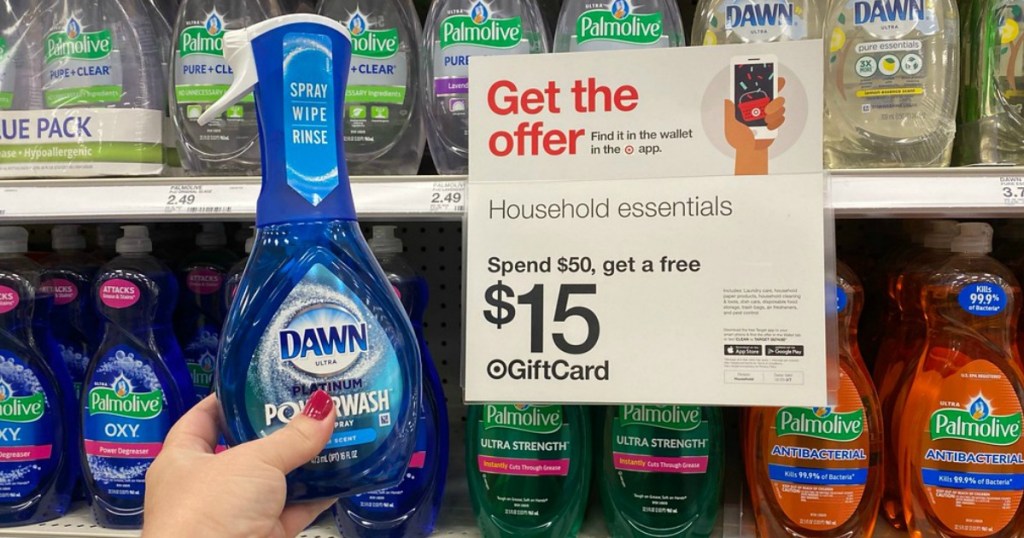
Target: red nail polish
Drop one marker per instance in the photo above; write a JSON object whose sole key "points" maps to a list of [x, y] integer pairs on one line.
{"points": [[319, 406]]}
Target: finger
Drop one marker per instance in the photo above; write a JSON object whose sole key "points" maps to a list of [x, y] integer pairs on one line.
{"points": [[730, 112], [197, 431], [776, 121], [782, 83], [301, 440], [775, 105], [296, 517]]}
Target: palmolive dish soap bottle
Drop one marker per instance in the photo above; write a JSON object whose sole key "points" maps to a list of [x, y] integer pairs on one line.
{"points": [[758, 21], [961, 455], [585, 25], [817, 471], [313, 310], [891, 83]]}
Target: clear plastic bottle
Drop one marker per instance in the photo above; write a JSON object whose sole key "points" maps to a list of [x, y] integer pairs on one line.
{"points": [[961, 455], [200, 75], [235, 274], [67, 277], [161, 15], [202, 308], [384, 131], [586, 25], [891, 83], [13, 50], [528, 468], [137, 385], [456, 30], [37, 401], [783, 468], [719, 22]]}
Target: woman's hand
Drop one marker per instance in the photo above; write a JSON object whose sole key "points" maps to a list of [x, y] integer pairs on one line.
{"points": [[190, 491]]}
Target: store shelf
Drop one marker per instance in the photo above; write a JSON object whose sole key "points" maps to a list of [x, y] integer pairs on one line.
{"points": [[973, 192]]}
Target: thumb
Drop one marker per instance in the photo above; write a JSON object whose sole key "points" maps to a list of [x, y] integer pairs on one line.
{"points": [[301, 440]]}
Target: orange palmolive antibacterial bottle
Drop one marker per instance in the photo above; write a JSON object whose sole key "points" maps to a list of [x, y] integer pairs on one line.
{"points": [[817, 471], [961, 465], [902, 346]]}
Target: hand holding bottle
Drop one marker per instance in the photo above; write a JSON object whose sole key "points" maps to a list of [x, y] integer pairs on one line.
{"points": [[190, 491]]}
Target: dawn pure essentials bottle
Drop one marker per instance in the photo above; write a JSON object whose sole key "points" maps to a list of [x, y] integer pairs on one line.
{"points": [[38, 424], [314, 310], [661, 470], [202, 308], [901, 350], [961, 455], [384, 131], [833, 454], [410, 508], [891, 83], [67, 277], [585, 25], [528, 468], [456, 30], [200, 75], [720, 22], [137, 385]]}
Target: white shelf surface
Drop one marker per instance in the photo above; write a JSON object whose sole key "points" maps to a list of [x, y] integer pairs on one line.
{"points": [[948, 192]]}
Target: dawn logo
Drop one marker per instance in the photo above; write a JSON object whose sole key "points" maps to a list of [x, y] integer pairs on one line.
{"points": [[620, 9], [122, 387], [357, 24], [480, 13], [74, 28], [324, 340], [5, 390], [214, 24], [822, 412]]}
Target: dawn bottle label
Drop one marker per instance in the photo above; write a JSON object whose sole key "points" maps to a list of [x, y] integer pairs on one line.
{"points": [[388, 503], [972, 454], [474, 32], [125, 421], [758, 21], [322, 337], [82, 66], [1009, 58], [527, 442], [376, 96], [309, 116], [27, 428], [818, 465], [618, 25]]}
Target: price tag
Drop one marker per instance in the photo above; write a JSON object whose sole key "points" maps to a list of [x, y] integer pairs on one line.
{"points": [[612, 254], [448, 197], [1012, 190], [199, 199]]}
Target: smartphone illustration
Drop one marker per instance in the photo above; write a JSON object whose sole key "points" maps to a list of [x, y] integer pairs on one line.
{"points": [[754, 85]]}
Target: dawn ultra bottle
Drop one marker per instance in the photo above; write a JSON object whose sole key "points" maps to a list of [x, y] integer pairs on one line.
{"points": [[384, 131], [585, 25], [137, 385], [720, 22], [455, 31], [200, 75], [891, 83], [38, 426], [313, 309]]}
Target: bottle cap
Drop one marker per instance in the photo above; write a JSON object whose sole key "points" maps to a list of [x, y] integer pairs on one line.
{"points": [[250, 241], [213, 235], [384, 241], [67, 237], [940, 234], [974, 238], [135, 240], [13, 240]]}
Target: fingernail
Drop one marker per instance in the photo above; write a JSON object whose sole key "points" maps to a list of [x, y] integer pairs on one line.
{"points": [[318, 406]]}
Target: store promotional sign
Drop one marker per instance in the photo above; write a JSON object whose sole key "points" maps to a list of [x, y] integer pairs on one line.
{"points": [[649, 227]]}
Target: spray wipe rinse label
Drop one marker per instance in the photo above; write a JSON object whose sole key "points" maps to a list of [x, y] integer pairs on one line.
{"points": [[309, 116]]}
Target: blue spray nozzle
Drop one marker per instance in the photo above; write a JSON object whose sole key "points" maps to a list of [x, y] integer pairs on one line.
{"points": [[297, 67]]}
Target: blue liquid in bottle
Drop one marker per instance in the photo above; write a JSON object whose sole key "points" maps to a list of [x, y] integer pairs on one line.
{"points": [[38, 429], [409, 509], [137, 385], [202, 309], [313, 310]]}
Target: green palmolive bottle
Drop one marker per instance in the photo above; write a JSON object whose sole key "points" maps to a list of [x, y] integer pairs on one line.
{"points": [[661, 470], [528, 468]]}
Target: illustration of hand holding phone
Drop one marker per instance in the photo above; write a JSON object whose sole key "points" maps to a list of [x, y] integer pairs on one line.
{"points": [[755, 112]]}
